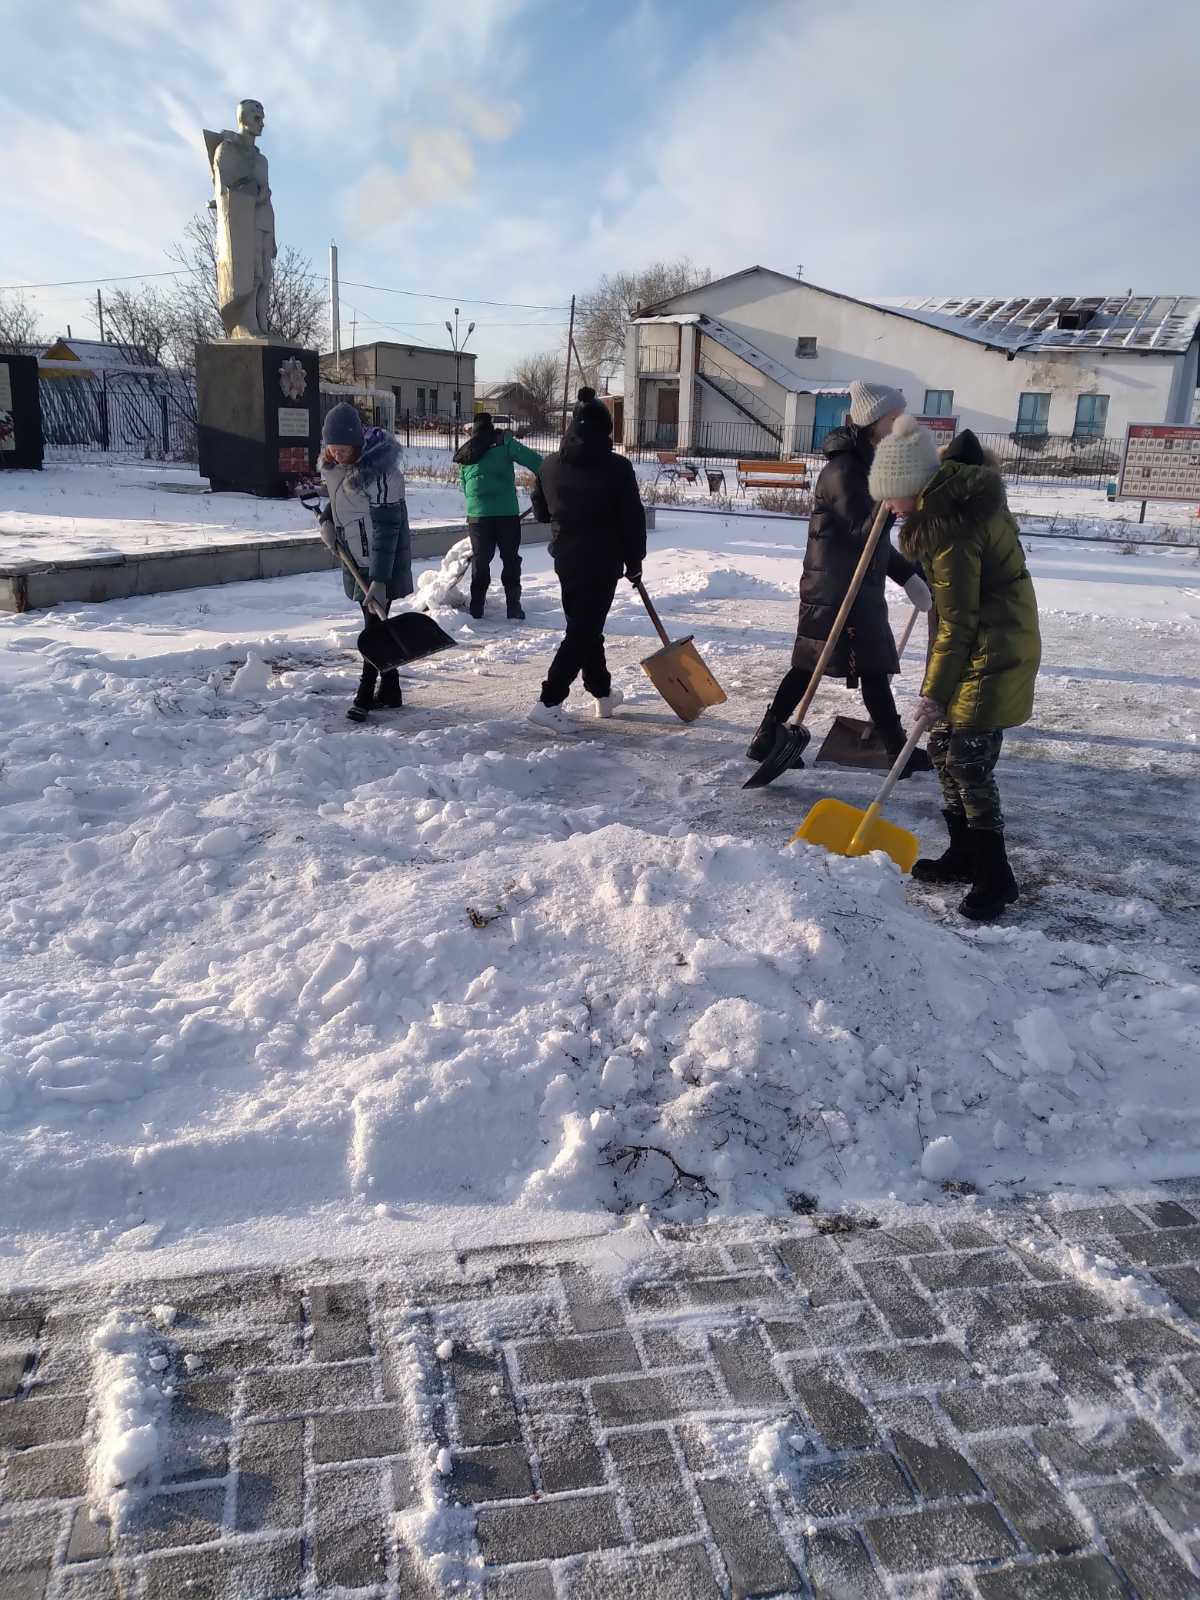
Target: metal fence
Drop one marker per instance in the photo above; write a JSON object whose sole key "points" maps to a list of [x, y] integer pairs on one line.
{"points": [[1086, 461], [149, 414]]}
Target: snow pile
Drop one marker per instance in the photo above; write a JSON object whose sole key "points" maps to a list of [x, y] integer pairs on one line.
{"points": [[132, 1412], [440, 588], [700, 581]]}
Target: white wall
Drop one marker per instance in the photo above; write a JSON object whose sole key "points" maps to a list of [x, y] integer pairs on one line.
{"points": [[857, 341]]}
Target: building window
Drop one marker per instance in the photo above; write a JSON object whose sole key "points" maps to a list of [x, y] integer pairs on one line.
{"points": [[420, 402], [433, 402], [1033, 413], [939, 403], [1091, 416], [806, 347]]}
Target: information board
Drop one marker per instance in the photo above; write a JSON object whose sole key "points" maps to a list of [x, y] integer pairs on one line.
{"points": [[1161, 462], [943, 429]]}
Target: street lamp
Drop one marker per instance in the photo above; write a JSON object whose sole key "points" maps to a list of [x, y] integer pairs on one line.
{"points": [[458, 350]]}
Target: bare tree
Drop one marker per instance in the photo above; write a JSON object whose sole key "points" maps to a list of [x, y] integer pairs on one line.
{"points": [[297, 307], [18, 324], [601, 316], [540, 379]]}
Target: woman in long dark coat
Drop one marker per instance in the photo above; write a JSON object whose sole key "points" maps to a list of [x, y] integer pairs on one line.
{"points": [[843, 511]]}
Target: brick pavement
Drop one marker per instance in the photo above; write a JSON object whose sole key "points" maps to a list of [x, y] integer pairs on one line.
{"points": [[953, 1415]]}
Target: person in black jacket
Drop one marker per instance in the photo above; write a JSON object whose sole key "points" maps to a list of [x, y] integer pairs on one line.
{"points": [[590, 497], [843, 512]]}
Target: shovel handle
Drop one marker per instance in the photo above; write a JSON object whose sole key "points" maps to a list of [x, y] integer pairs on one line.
{"points": [[355, 571], [855, 847], [839, 622], [654, 616], [907, 634]]}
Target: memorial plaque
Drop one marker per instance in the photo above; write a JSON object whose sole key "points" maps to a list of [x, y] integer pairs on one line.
{"points": [[1161, 462]]}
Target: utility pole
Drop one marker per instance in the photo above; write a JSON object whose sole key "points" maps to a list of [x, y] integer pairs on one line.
{"points": [[458, 350], [567, 375], [335, 311], [100, 313]]}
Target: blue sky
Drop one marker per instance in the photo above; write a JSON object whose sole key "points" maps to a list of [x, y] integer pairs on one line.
{"points": [[516, 149]]}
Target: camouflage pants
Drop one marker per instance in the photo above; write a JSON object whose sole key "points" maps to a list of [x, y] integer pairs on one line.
{"points": [[966, 764]]}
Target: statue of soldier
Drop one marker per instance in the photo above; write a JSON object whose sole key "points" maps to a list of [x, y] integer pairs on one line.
{"points": [[245, 224]]}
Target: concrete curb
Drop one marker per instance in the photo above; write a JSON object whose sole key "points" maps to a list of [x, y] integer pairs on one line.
{"points": [[35, 585]]}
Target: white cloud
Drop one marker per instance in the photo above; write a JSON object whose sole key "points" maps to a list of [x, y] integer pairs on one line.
{"points": [[489, 120], [440, 172], [956, 146]]}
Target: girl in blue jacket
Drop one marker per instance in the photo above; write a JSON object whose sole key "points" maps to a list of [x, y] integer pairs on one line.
{"points": [[360, 468]]}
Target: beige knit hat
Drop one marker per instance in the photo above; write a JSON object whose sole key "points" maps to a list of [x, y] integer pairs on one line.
{"points": [[870, 401], [904, 461]]}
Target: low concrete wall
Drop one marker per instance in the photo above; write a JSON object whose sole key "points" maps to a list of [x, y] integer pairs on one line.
{"points": [[33, 585]]}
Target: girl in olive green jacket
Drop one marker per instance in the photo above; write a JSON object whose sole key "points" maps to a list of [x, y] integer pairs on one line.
{"points": [[984, 653]]}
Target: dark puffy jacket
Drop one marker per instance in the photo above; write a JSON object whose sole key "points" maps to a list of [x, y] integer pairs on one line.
{"points": [[984, 660], [843, 511], [589, 496]]}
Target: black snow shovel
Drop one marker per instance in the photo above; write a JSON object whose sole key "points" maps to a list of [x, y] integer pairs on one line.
{"points": [[388, 642], [796, 737], [855, 741]]}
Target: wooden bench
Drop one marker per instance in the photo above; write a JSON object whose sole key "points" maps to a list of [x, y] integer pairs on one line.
{"points": [[771, 475]]}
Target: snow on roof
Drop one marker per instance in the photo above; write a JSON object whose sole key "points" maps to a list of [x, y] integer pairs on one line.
{"points": [[1162, 324], [94, 355]]}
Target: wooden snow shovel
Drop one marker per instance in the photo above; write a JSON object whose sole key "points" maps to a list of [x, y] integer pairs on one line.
{"points": [[846, 831], [677, 670], [853, 741], [788, 750], [389, 642]]}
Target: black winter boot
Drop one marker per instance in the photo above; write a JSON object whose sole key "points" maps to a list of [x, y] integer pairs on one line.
{"points": [[763, 742], [365, 698], [389, 695], [917, 762], [476, 606], [992, 885], [954, 866], [516, 612]]}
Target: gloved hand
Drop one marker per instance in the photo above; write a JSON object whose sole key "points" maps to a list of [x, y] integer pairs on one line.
{"points": [[929, 710], [634, 574], [327, 530], [376, 598], [917, 591]]}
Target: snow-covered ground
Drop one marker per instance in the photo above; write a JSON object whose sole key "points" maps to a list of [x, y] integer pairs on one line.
{"points": [[273, 985], [89, 507], [72, 510]]}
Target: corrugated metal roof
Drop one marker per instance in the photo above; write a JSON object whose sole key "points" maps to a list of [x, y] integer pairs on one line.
{"points": [[1164, 324]]}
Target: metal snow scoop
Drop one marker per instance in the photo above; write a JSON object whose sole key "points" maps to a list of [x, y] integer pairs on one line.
{"points": [[846, 831], [677, 670], [797, 737], [388, 642], [854, 741]]}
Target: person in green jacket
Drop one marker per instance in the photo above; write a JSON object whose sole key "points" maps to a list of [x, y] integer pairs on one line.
{"points": [[485, 464], [984, 654]]}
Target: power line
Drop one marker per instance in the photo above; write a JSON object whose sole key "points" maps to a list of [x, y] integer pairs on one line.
{"points": [[378, 288], [75, 283], [462, 299]]}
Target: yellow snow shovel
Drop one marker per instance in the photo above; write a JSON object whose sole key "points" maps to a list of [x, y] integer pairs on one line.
{"points": [[846, 831]]}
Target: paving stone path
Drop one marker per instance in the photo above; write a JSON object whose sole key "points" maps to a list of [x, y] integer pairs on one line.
{"points": [[958, 1406]]}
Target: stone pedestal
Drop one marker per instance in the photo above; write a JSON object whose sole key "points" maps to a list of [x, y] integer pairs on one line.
{"points": [[21, 443], [259, 414]]}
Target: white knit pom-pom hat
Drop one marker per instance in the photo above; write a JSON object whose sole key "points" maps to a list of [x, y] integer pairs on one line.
{"points": [[904, 461]]}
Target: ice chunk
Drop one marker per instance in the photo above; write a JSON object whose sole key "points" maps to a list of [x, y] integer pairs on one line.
{"points": [[941, 1158]]}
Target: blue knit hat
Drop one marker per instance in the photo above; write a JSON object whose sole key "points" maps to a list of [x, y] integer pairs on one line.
{"points": [[343, 425]]}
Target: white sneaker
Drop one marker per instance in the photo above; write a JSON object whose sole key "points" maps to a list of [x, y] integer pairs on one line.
{"points": [[553, 717], [606, 704]]}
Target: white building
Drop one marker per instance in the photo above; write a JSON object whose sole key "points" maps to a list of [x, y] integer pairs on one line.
{"points": [[762, 361]]}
